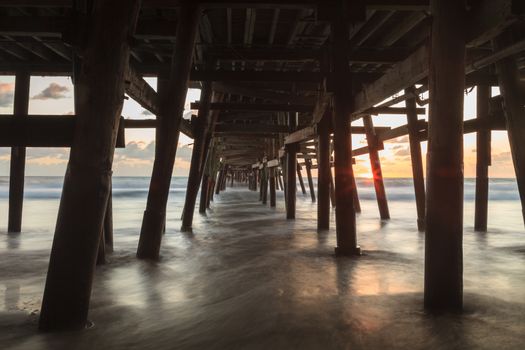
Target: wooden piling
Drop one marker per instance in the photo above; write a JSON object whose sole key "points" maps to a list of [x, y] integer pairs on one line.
{"points": [[324, 172], [204, 194], [357, 204], [513, 98], [332, 189], [172, 98], [308, 166], [416, 158], [272, 187], [86, 187], [444, 219], [108, 222], [344, 210], [375, 163], [482, 159], [18, 157], [264, 184], [300, 177], [198, 154], [291, 181]]}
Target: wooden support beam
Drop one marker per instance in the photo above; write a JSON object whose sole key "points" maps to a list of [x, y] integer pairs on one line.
{"points": [[291, 181], [300, 176], [323, 172], [272, 187], [43, 131], [444, 210], [482, 160], [251, 128], [308, 166], [269, 76], [198, 154], [513, 97], [375, 163], [172, 93], [86, 187], [486, 20], [18, 156], [344, 210], [416, 158], [256, 107]]}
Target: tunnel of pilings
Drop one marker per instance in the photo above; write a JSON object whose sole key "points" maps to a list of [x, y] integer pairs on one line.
{"points": [[281, 82]]}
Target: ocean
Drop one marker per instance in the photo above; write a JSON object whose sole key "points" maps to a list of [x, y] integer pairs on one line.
{"points": [[42, 197], [247, 278]]}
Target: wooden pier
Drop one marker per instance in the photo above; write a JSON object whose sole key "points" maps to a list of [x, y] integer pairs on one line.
{"points": [[281, 84]]}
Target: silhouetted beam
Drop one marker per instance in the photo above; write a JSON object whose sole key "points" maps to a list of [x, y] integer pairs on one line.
{"points": [[42, 131], [487, 20], [400, 5], [251, 128], [311, 77], [262, 107], [140, 91]]}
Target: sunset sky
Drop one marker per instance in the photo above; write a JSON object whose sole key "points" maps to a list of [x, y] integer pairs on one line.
{"points": [[54, 95]]}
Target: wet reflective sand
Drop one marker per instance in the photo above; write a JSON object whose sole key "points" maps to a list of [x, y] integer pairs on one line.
{"points": [[248, 278]]}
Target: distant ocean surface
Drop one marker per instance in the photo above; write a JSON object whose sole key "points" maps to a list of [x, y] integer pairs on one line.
{"points": [[42, 197]]}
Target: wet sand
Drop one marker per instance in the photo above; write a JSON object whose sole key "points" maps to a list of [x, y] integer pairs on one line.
{"points": [[247, 278]]}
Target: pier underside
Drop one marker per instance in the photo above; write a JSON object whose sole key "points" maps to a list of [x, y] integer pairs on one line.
{"points": [[248, 278]]}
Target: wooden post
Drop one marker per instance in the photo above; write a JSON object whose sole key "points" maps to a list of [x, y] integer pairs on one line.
{"points": [[375, 163], [108, 222], [482, 159], [18, 157], [280, 177], [357, 204], [308, 166], [291, 181], [344, 210], [203, 198], [272, 187], [332, 188], [324, 172], [512, 92], [416, 158], [87, 181], [264, 184], [172, 99], [444, 219], [300, 177], [197, 156]]}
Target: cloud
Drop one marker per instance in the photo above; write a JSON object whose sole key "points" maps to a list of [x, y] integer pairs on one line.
{"points": [[402, 152], [53, 92], [7, 92]]}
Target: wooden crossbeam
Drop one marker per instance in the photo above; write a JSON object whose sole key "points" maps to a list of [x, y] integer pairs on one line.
{"points": [[262, 107], [488, 19], [251, 128], [42, 131]]}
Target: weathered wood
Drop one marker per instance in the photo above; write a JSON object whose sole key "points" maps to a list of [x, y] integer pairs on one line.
{"points": [[108, 222], [444, 210], [172, 100], [357, 203], [264, 184], [482, 160], [308, 167], [203, 202], [196, 164], [344, 210], [254, 128], [291, 181], [86, 187], [18, 156], [416, 159], [257, 107], [324, 172], [272, 187], [513, 104], [42, 131], [375, 164], [300, 177]]}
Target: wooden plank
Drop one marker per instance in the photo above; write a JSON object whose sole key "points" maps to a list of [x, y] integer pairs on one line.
{"points": [[42, 131], [300, 135], [259, 107], [251, 128]]}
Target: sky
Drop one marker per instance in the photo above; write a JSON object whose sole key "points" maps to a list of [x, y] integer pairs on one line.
{"points": [[54, 95]]}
